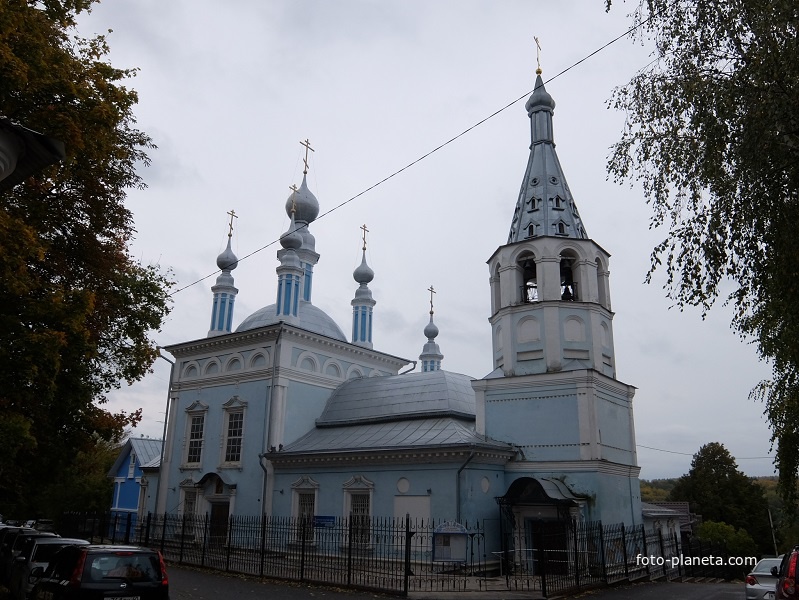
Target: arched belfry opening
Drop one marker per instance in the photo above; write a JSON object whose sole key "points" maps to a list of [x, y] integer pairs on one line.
{"points": [[568, 276], [529, 279]]}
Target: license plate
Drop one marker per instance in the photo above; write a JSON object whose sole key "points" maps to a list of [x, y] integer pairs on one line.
{"points": [[127, 597]]}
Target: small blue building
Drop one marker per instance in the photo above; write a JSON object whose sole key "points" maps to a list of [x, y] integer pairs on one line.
{"points": [[135, 475]]}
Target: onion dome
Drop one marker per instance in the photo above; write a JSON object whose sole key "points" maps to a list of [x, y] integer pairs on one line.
{"points": [[540, 98], [304, 203], [227, 261], [292, 239], [431, 330], [363, 274]]}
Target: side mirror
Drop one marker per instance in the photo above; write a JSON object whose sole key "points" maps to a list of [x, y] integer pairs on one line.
{"points": [[775, 571]]}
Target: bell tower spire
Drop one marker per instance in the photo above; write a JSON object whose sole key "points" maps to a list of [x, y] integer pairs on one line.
{"points": [[431, 356]]}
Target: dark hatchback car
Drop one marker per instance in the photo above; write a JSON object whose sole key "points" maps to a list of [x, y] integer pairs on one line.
{"points": [[95, 571]]}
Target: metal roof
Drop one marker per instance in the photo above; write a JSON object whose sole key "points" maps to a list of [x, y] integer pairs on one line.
{"points": [[148, 453], [415, 395], [545, 206], [309, 317], [395, 435]]}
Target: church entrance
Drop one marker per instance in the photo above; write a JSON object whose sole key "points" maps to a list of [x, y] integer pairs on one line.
{"points": [[535, 514], [217, 526]]}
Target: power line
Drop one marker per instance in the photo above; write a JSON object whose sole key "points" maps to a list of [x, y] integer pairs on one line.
{"points": [[692, 454], [434, 150]]}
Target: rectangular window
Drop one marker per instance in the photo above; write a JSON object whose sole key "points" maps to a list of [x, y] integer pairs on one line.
{"points": [[196, 439], [235, 433], [132, 465], [360, 518], [306, 507], [189, 502]]}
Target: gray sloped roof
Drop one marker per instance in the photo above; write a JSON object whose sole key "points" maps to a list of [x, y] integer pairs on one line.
{"points": [[396, 435], [415, 395], [148, 453]]}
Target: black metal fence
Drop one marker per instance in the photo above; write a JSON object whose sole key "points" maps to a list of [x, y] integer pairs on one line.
{"points": [[402, 555], [389, 555]]}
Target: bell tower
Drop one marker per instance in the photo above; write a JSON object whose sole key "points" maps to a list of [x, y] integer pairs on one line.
{"points": [[553, 391]]}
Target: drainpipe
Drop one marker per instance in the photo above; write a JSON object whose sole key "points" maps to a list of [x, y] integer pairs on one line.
{"points": [[161, 474], [268, 413], [458, 484], [413, 366]]}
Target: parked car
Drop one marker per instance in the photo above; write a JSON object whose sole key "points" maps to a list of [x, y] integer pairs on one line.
{"points": [[6, 535], [760, 582], [785, 588], [12, 546], [101, 571], [36, 552]]}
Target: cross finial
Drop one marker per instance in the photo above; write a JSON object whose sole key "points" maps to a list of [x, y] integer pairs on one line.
{"points": [[432, 291], [537, 55], [293, 188], [307, 145], [233, 215], [365, 231]]}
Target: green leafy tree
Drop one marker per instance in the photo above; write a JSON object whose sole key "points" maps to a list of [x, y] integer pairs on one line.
{"points": [[712, 134], [76, 311], [736, 542], [717, 490]]}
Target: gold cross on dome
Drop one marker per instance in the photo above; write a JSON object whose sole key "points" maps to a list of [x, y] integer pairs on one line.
{"points": [[365, 231], [432, 291], [537, 55], [293, 188], [307, 145], [233, 215]]}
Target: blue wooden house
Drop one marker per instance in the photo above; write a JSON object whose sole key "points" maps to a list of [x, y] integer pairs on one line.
{"points": [[135, 476]]}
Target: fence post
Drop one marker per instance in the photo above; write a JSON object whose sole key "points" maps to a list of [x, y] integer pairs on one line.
{"points": [[230, 526], [163, 530], [602, 555], [576, 556], [349, 550], [303, 522], [147, 529], [263, 544], [662, 553], [182, 537], [408, 572], [128, 522], [646, 551], [624, 551], [205, 539]]}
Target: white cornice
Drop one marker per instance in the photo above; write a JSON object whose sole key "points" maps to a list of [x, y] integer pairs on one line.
{"points": [[420, 456], [573, 466]]}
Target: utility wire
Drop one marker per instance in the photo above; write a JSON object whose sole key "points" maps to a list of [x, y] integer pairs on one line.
{"points": [[692, 454], [433, 151]]}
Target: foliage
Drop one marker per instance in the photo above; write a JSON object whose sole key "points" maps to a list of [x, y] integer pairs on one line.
{"points": [[717, 490], [76, 311], [737, 542], [712, 134], [656, 490]]}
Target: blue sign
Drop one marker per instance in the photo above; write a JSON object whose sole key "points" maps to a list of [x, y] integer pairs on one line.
{"points": [[324, 521]]}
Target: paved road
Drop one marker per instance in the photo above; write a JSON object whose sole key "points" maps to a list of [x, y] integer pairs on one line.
{"points": [[669, 591]]}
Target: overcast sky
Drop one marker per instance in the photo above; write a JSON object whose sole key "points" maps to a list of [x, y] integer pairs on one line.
{"points": [[228, 89]]}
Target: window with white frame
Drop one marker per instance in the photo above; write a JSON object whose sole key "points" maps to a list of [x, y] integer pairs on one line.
{"points": [[195, 433], [303, 506], [233, 434], [358, 493]]}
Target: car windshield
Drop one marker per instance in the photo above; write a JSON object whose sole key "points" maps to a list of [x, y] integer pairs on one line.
{"points": [[129, 566]]}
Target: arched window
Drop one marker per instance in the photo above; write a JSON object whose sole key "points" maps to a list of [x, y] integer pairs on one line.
{"points": [[529, 291], [568, 282]]}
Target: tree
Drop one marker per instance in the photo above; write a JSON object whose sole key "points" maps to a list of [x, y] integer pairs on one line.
{"points": [[717, 490], [712, 133], [736, 542], [76, 311]]}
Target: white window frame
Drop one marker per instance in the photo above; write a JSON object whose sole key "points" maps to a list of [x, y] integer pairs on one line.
{"points": [[132, 465], [358, 485], [304, 485], [197, 409], [234, 406]]}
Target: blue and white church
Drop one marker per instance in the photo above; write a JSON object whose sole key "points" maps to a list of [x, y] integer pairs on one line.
{"points": [[286, 416]]}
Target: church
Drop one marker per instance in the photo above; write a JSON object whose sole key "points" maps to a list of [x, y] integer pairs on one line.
{"points": [[286, 415]]}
